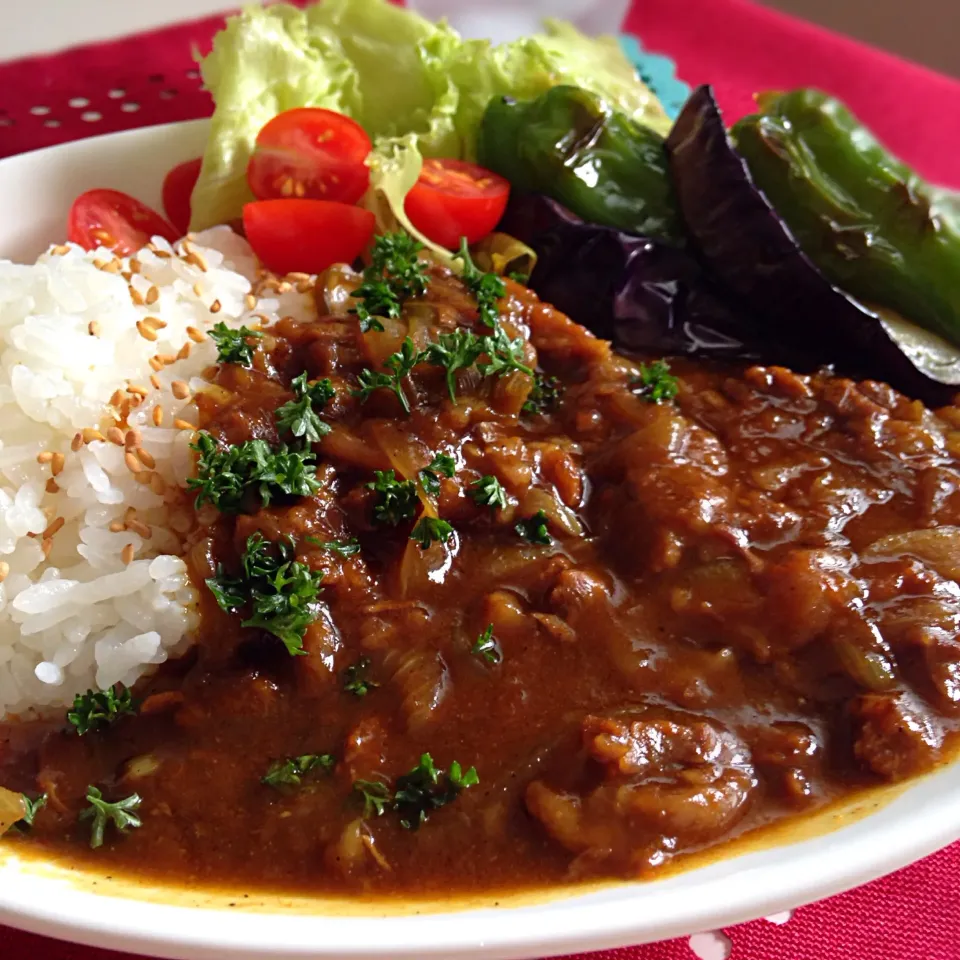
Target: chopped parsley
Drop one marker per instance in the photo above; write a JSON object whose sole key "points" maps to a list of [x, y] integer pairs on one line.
{"points": [[655, 383], [396, 499], [121, 814], [504, 355], [233, 346], [431, 530], [534, 529], [544, 395], [377, 797], [489, 492], [32, 807], [290, 772], [442, 465], [487, 288], [277, 589], [400, 364], [97, 709], [457, 350], [234, 477], [345, 548], [486, 646], [395, 274], [300, 415], [355, 679], [518, 276], [418, 793], [425, 788]]}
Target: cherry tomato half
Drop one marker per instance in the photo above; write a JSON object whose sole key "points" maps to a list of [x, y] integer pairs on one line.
{"points": [[109, 218], [310, 153], [454, 199], [306, 236], [178, 185]]}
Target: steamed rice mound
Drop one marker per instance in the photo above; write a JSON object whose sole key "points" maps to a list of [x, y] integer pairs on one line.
{"points": [[94, 590]]}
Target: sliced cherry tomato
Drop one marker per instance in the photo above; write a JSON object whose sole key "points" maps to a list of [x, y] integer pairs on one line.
{"points": [[109, 218], [313, 153], [306, 236], [178, 185], [454, 199]]}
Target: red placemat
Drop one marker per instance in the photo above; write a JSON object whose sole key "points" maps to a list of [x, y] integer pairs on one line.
{"points": [[740, 48]]}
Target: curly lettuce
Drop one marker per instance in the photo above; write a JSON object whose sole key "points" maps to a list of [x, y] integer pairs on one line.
{"points": [[417, 88]]}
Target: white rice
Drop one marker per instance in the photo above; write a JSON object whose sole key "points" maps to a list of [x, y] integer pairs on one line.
{"points": [[83, 617]]}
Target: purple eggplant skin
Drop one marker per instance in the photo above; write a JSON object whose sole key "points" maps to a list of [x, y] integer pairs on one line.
{"points": [[748, 248], [644, 295]]}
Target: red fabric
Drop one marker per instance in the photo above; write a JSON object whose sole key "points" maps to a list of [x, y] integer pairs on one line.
{"points": [[739, 48]]}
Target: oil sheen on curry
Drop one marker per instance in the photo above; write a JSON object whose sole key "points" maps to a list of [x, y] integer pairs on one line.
{"points": [[486, 605]]}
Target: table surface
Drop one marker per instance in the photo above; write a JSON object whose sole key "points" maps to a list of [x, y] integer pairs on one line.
{"points": [[911, 915]]}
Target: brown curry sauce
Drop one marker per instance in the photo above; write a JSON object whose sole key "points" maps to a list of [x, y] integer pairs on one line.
{"points": [[747, 610]]}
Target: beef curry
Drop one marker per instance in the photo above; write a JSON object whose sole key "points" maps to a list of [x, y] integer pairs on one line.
{"points": [[540, 628]]}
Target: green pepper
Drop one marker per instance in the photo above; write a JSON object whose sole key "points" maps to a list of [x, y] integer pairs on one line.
{"points": [[869, 222], [599, 163]]}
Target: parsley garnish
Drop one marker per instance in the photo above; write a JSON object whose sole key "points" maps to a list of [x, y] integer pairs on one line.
{"points": [[543, 396], [395, 274], [441, 465], [397, 499], [346, 548], [519, 277], [30, 809], [418, 793], [299, 415], [355, 679], [278, 590], [655, 383], [487, 647], [233, 345], [425, 788], [504, 355], [228, 477], [97, 709], [534, 528], [431, 530], [377, 797], [489, 492], [458, 350], [487, 288], [399, 364], [292, 770], [122, 814]]}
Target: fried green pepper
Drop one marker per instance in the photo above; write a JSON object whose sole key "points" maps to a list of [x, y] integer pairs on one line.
{"points": [[869, 222], [599, 163]]}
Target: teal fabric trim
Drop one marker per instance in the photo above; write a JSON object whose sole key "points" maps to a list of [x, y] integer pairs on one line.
{"points": [[659, 73]]}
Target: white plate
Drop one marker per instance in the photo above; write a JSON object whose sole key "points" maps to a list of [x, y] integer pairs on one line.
{"points": [[35, 192]]}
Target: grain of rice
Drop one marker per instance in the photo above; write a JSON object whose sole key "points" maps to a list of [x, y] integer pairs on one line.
{"points": [[45, 457], [90, 434], [154, 381], [46, 546], [197, 336], [180, 389], [158, 485], [133, 438], [135, 295], [60, 249], [216, 306], [4, 570], [93, 328], [155, 364], [51, 486], [153, 295], [137, 389], [140, 528], [132, 461], [184, 352], [154, 322], [146, 458], [144, 477], [57, 463], [158, 416], [181, 424], [116, 526], [77, 442], [126, 555]]}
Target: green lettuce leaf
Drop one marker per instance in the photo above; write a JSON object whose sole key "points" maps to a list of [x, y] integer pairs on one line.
{"points": [[417, 88]]}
